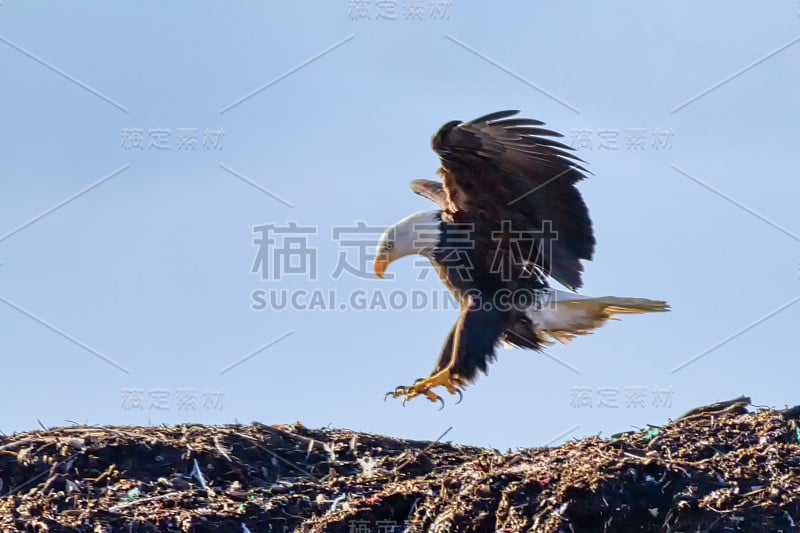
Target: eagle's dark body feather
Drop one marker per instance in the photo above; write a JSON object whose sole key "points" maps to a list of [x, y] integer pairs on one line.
{"points": [[493, 303]]}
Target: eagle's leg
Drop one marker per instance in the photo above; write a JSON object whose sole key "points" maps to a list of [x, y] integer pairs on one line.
{"points": [[468, 347]]}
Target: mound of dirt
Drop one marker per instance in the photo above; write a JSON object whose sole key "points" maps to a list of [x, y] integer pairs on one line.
{"points": [[717, 468]]}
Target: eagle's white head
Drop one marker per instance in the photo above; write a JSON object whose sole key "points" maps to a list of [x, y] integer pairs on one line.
{"points": [[419, 233]]}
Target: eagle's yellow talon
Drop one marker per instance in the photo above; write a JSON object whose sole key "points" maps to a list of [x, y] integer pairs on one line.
{"points": [[424, 387]]}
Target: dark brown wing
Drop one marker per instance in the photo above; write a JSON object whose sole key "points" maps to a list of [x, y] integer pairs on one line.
{"points": [[513, 169]]}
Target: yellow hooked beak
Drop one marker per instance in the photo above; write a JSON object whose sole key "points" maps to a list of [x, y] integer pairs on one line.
{"points": [[381, 263]]}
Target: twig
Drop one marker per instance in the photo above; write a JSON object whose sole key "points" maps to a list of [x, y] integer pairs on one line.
{"points": [[221, 450], [88, 429], [31, 480], [17, 443], [198, 475], [440, 437], [125, 505], [717, 408], [282, 433], [425, 449], [337, 501], [276, 456], [105, 474]]}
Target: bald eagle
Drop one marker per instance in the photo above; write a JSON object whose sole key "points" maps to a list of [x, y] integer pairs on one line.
{"points": [[509, 217]]}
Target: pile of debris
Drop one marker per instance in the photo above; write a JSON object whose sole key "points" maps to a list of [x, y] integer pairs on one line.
{"points": [[717, 468]]}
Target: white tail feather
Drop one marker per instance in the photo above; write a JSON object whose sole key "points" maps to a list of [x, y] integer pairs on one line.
{"points": [[568, 315]]}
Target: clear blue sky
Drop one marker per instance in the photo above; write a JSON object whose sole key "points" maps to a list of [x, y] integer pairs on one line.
{"points": [[150, 269]]}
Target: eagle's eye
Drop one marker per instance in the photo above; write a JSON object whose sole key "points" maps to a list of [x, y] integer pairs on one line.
{"points": [[389, 245]]}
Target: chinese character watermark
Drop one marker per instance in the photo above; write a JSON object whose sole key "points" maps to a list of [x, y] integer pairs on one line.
{"points": [[615, 397], [179, 139], [290, 253], [631, 139], [394, 10], [164, 399], [290, 249], [528, 248], [359, 241]]}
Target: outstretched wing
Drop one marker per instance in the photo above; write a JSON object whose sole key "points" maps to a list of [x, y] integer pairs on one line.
{"points": [[514, 170]]}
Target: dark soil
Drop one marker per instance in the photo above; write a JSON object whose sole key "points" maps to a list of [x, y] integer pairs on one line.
{"points": [[718, 468]]}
